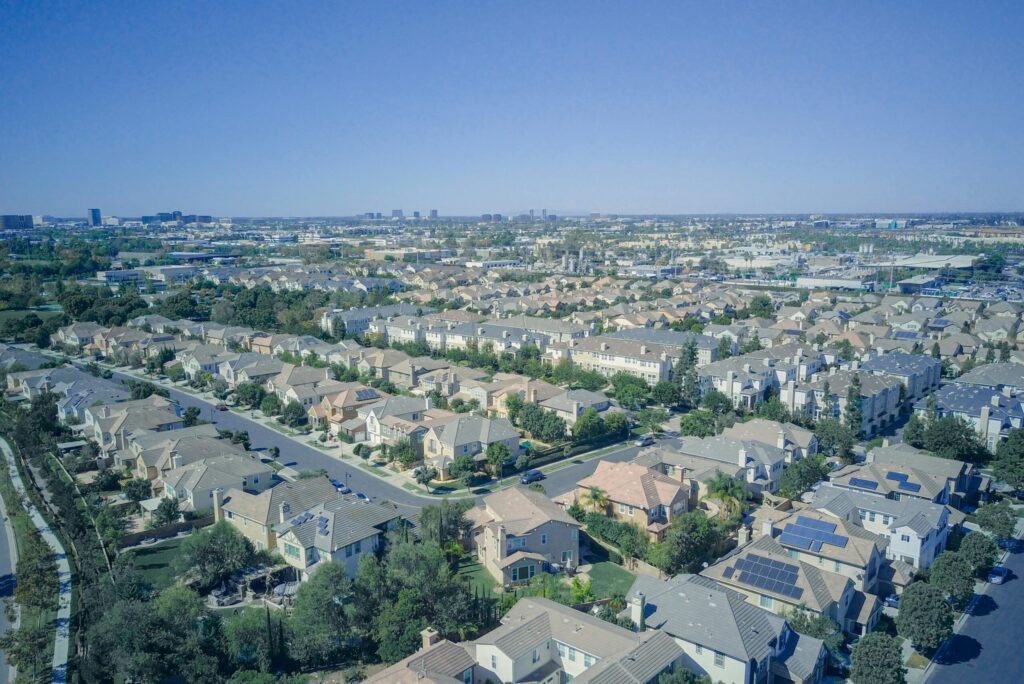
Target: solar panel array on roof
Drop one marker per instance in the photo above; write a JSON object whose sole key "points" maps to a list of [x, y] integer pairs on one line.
{"points": [[903, 484], [910, 486], [905, 335], [810, 534], [366, 394], [863, 484], [304, 518], [770, 575]]}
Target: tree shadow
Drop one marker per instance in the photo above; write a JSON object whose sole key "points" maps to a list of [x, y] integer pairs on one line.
{"points": [[7, 584], [984, 605], [961, 649]]}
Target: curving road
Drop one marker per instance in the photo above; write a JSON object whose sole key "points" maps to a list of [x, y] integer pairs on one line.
{"points": [[8, 561]]}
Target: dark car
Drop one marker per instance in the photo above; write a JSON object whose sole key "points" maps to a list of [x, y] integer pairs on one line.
{"points": [[362, 497], [892, 601], [222, 407], [998, 574], [531, 476]]}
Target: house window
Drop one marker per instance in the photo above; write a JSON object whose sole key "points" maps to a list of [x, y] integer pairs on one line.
{"points": [[572, 654], [543, 539], [631, 509], [536, 655], [561, 649], [566, 556], [255, 479], [863, 515], [904, 537], [871, 516], [886, 519], [837, 566], [348, 551], [588, 660], [467, 676], [494, 662], [358, 546], [719, 659], [291, 550], [700, 649], [767, 602], [622, 508]]}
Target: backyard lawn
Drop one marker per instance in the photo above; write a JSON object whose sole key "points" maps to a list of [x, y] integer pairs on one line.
{"points": [[156, 562], [609, 579], [477, 576]]}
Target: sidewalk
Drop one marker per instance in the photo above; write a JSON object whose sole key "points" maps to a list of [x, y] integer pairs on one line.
{"points": [[61, 645]]}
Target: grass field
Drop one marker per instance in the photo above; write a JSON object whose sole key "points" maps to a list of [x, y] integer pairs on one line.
{"points": [[610, 579], [477, 576], [156, 562]]}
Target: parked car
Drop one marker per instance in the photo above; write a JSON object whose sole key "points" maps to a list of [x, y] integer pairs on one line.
{"points": [[646, 440], [531, 476], [892, 601], [998, 574], [340, 486], [362, 497], [222, 407]]}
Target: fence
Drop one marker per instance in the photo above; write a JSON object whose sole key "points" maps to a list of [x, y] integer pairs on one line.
{"points": [[165, 532]]}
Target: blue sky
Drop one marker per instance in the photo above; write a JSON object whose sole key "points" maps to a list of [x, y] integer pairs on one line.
{"points": [[259, 109]]}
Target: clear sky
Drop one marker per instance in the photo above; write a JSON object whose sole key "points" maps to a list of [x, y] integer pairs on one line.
{"points": [[296, 108]]}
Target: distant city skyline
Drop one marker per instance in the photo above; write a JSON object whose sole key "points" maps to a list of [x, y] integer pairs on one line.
{"points": [[258, 109]]}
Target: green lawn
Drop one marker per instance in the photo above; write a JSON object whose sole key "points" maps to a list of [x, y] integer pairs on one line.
{"points": [[156, 562], [610, 579], [477, 576]]}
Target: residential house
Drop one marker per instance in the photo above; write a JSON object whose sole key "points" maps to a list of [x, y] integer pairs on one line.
{"points": [[111, 425], [879, 398], [438, 661], [193, 485], [963, 480], [202, 359], [518, 533], [249, 367], [919, 374], [466, 435], [572, 404], [341, 530], [1000, 376], [636, 495], [724, 637], [796, 441], [254, 516], [991, 412]]}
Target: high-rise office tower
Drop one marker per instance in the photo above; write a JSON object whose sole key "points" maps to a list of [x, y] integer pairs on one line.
{"points": [[433, 213], [397, 213], [415, 214], [95, 219]]}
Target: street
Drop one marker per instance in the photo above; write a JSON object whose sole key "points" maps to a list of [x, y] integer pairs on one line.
{"points": [[988, 647], [7, 547], [304, 457]]}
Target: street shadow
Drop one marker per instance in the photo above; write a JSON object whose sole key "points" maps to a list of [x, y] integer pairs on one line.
{"points": [[961, 649], [7, 584], [984, 605]]}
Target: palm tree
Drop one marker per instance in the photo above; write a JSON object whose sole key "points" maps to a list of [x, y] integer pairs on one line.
{"points": [[729, 490], [425, 475], [597, 500]]}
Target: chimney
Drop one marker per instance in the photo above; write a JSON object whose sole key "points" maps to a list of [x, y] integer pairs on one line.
{"points": [[430, 637], [986, 412], [643, 349], [767, 529], [282, 511], [533, 394], [479, 331], [742, 535], [746, 368], [781, 441], [637, 608], [218, 503], [1007, 391], [604, 346], [175, 459], [885, 441], [741, 457], [766, 361], [855, 364], [995, 400]]}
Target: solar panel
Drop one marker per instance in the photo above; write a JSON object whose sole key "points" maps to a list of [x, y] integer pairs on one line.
{"points": [[910, 486], [863, 484], [896, 477], [727, 573], [789, 539], [816, 524]]}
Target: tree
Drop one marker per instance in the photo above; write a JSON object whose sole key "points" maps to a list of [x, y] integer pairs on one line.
{"points": [[979, 550], [270, 405], [717, 403], [214, 554], [293, 414], [925, 618], [690, 541], [953, 573], [463, 464], [913, 432], [953, 437], [425, 475], [998, 519], [137, 489], [835, 439], [191, 416], [724, 349], [698, 424], [445, 522], [1008, 466], [877, 659], [761, 307], [513, 405], [167, 512], [683, 676], [319, 617], [802, 475], [666, 393], [404, 452], [497, 454], [689, 395], [589, 426], [616, 424], [816, 625], [730, 491], [252, 638], [250, 394], [651, 418], [630, 390], [852, 414], [596, 500]]}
